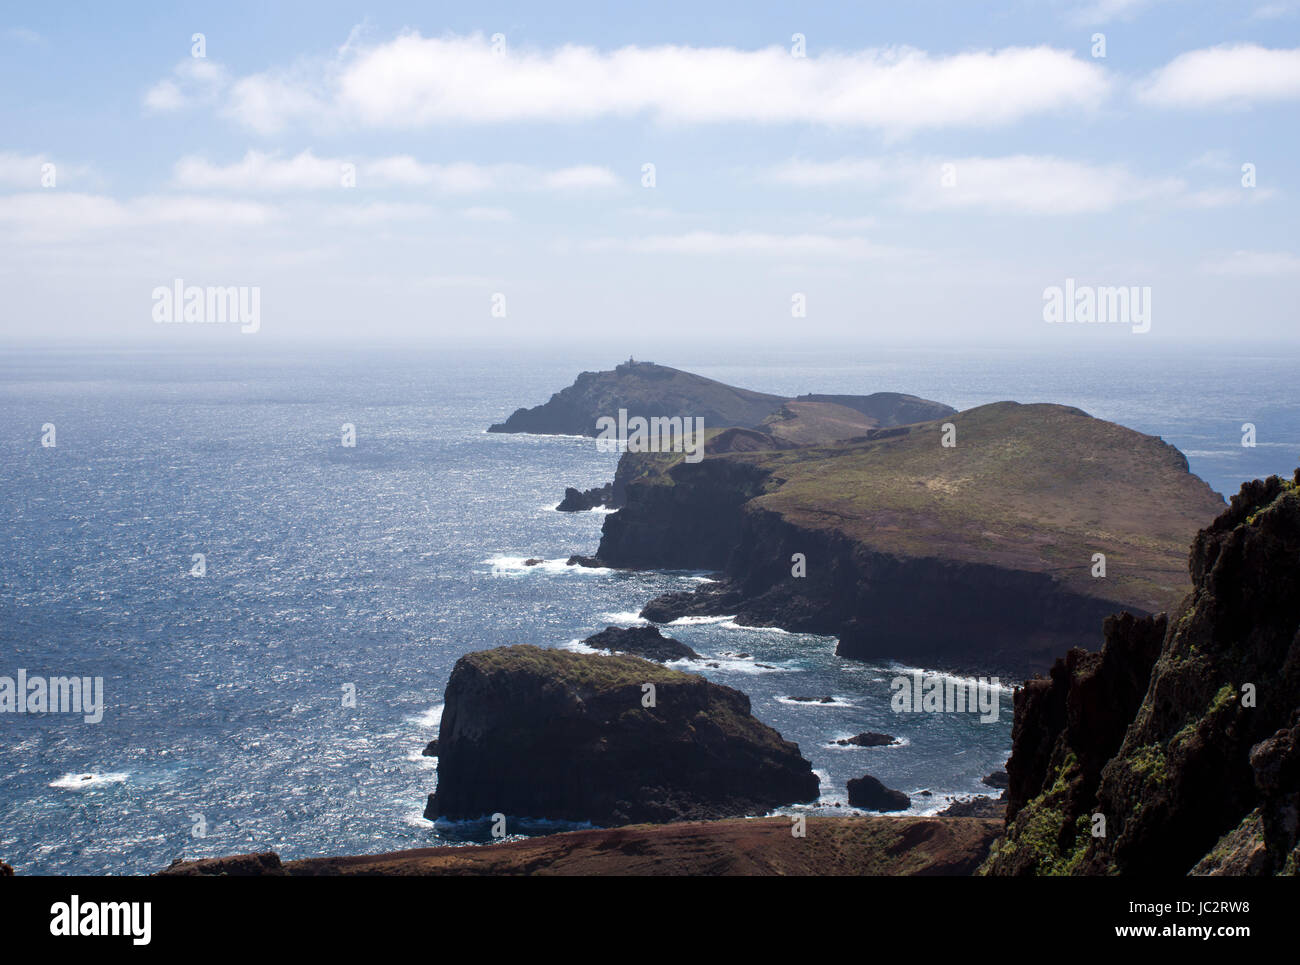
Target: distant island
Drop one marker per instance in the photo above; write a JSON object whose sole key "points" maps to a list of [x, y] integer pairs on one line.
{"points": [[650, 390]]}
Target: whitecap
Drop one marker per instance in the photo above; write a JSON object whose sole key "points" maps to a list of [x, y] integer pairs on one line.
{"points": [[833, 702], [515, 566], [732, 665], [731, 624], [1004, 689], [430, 718], [624, 616], [78, 782], [577, 646]]}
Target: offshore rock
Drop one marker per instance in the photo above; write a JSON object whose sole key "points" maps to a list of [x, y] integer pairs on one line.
{"points": [[529, 732]]}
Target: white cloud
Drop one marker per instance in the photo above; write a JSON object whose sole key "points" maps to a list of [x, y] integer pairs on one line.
{"points": [[263, 102], [413, 82], [1035, 185], [29, 170], [260, 171], [1228, 75], [21, 170], [1027, 184], [579, 178], [1104, 11], [859, 172], [194, 81], [1255, 264], [60, 215], [377, 212], [748, 243]]}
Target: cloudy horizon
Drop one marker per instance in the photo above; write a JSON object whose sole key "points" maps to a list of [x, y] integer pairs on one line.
{"points": [[825, 174]]}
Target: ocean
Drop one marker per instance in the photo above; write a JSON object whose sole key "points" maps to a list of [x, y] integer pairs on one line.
{"points": [[367, 571]]}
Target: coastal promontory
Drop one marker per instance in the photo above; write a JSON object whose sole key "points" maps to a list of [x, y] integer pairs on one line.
{"points": [[1000, 536]]}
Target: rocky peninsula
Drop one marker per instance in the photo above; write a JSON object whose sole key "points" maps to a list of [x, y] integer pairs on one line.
{"points": [[1002, 549]]}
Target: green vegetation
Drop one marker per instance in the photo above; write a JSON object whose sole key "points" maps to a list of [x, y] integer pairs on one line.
{"points": [[1149, 763], [589, 671], [1038, 488]]}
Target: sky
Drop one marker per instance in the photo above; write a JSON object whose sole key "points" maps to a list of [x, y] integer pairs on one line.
{"points": [[803, 172]]}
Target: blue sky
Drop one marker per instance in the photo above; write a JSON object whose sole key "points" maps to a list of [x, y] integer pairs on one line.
{"points": [[925, 171]]}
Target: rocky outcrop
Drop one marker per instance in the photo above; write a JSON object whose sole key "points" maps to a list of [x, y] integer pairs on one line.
{"points": [[867, 739], [869, 794], [975, 557], [646, 642], [265, 864], [830, 846], [529, 732], [979, 806], [1179, 739], [577, 501]]}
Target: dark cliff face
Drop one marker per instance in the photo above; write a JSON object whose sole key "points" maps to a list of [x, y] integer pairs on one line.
{"points": [[883, 606], [689, 520], [963, 615], [540, 733], [1200, 769]]}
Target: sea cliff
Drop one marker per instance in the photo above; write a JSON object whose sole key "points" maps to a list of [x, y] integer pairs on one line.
{"points": [[982, 554], [1175, 750], [529, 732]]}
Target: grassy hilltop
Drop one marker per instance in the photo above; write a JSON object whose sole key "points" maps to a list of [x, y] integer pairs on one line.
{"points": [[1036, 488]]}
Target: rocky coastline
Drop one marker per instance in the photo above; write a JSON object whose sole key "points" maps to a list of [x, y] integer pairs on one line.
{"points": [[1174, 749], [1002, 583]]}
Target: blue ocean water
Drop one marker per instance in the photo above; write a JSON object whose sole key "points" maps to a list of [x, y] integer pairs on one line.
{"points": [[376, 567]]}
